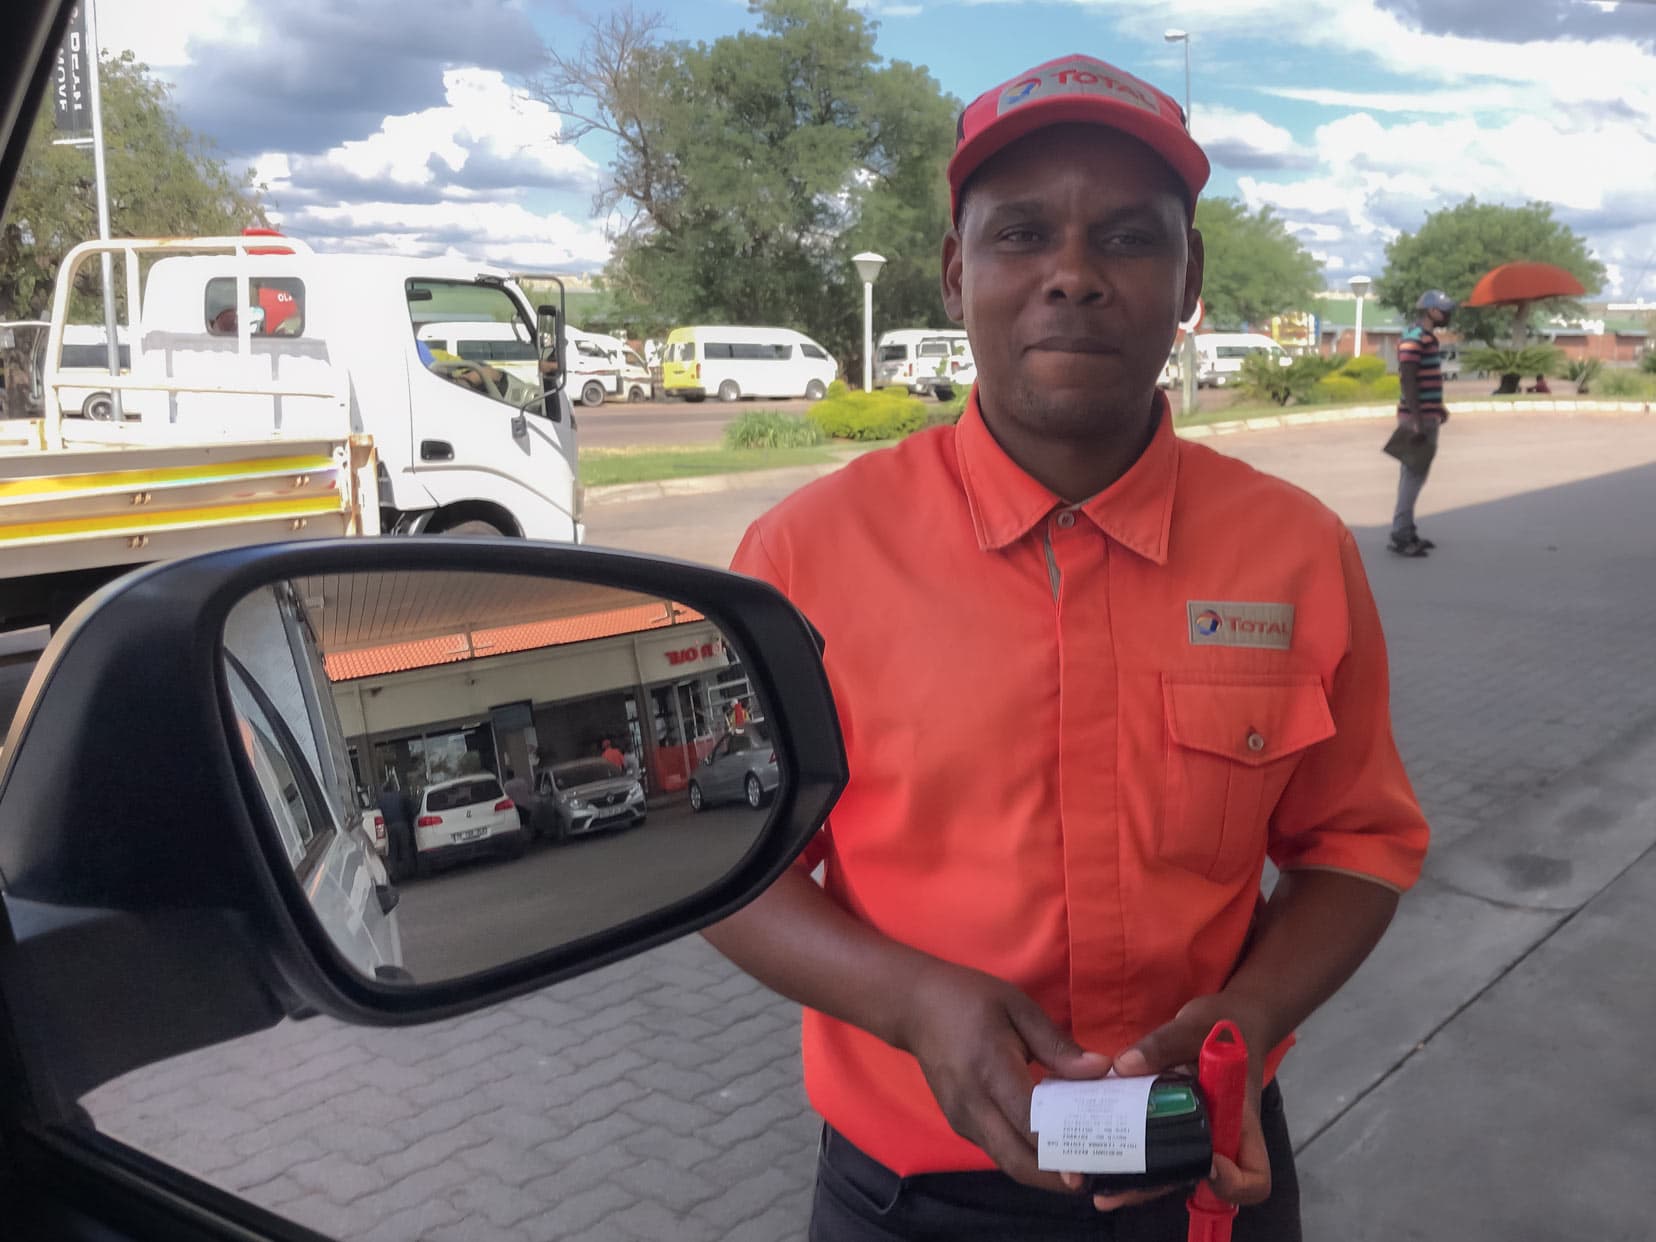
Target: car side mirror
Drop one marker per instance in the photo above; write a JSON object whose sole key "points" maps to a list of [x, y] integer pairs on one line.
{"points": [[270, 663]]}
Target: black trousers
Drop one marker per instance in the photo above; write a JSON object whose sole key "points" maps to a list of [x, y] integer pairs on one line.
{"points": [[860, 1200]]}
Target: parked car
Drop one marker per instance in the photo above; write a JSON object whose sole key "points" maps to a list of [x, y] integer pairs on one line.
{"points": [[920, 359], [464, 817], [741, 765], [1219, 355], [587, 795], [745, 362]]}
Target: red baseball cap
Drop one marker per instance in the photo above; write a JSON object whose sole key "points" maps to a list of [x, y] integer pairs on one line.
{"points": [[1074, 89]]}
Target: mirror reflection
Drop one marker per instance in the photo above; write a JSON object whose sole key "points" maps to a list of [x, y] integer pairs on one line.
{"points": [[467, 768]]}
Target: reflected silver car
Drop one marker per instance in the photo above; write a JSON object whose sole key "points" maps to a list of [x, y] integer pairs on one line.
{"points": [[587, 795], [742, 766]]}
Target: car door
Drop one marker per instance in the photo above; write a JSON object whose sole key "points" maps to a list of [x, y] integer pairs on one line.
{"points": [[715, 778], [488, 442]]}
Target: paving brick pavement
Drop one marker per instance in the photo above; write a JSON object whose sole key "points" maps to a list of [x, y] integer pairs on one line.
{"points": [[660, 1098]]}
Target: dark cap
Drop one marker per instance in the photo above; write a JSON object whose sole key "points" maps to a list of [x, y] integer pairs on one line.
{"points": [[1069, 90]]}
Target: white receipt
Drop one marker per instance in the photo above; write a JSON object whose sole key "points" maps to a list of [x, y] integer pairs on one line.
{"points": [[1095, 1126]]}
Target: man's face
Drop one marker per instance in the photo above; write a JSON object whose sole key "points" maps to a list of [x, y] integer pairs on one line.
{"points": [[1071, 267]]}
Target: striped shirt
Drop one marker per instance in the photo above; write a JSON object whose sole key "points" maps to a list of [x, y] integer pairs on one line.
{"points": [[1420, 346]]}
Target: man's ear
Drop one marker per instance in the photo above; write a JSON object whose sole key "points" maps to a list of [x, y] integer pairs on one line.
{"points": [[954, 304], [1193, 274]]}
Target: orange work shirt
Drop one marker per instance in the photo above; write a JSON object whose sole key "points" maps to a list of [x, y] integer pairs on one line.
{"points": [[1198, 649], [615, 757]]}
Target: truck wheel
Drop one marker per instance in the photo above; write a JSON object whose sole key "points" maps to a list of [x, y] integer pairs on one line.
{"points": [[593, 393], [816, 390], [943, 393], [636, 394], [729, 391], [476, 528], [100, 405], [695, 398]]}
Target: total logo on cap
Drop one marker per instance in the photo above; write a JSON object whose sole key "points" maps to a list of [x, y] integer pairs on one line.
{"points": [[1078, 75], [1075, 90]]}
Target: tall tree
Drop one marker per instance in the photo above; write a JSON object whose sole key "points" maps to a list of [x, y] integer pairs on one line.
{"points": [[163, 181], [1255, 267], [1457, 245], [761, 164]]}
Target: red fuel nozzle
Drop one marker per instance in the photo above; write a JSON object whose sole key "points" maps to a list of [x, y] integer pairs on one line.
{"points": [[1223, 1077]]}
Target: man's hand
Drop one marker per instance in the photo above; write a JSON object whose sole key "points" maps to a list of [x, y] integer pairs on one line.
{"points": [[975, 1037], [1416, 426], [1178, 1044]]}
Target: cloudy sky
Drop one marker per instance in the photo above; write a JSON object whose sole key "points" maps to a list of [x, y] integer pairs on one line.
{"points": [[400, 123]]}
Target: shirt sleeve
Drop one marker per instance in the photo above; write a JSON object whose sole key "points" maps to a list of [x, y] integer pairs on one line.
{"points": [[1410, 347], [753, 558], [1349, 806]]}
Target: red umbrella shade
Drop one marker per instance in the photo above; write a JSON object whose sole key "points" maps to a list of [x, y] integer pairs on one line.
{"points": [[1523, 282]]}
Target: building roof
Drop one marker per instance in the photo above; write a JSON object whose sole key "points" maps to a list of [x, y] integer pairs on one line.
{"points": [[481, 644]]}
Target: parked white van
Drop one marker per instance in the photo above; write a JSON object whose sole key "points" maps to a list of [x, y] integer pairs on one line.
{"points": [[921, 359], [745, 362], [623, 373], [1219, 355]]}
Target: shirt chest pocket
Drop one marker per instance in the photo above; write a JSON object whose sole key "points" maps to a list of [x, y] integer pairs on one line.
{"points": [[1233, 742]]}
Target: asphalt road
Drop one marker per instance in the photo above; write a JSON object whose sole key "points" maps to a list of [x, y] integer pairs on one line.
{"points": [[624, 425], [474, 915]]}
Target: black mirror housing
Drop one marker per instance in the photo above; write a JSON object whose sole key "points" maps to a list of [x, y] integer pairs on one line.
{"points": [[187, 886]]}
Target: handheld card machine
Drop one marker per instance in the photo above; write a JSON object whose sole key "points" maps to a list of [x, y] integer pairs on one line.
{"points": [[1126, 1133], [1178, 1149]]}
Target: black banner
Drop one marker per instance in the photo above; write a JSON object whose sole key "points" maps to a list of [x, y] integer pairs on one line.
{"points": [[71, 91]]}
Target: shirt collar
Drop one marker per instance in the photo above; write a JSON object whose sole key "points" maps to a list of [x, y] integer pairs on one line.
{"points": [[1006, 504]]}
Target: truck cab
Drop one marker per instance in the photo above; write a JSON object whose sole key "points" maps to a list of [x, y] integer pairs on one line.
{"points": [[441, 362]]}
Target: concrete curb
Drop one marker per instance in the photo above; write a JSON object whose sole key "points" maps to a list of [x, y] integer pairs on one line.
{"points": [[1358, 413], [701, 485]]}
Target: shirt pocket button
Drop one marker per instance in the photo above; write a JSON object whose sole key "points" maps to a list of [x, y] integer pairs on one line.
{"points": [[1256, 741]]}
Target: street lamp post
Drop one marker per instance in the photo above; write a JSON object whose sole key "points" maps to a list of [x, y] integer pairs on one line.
{"points": [[1359, 286], [868, 267], [1187, 366]]}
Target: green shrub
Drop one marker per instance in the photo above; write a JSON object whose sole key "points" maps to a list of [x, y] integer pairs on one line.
{"points": [[1365, 369], [1264, 378], [1506, 361], [838, 388], [1336, 390], [1319, 366], [1386, 388], [1647, 364], [769, 429], [887, 414], [1582, 372], [1622, 382]]}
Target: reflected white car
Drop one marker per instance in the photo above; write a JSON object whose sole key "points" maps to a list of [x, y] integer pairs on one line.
{"points": [[464, 817]]}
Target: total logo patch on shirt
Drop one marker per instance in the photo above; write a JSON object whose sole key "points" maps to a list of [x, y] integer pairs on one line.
{"points": [[1224, 623]]}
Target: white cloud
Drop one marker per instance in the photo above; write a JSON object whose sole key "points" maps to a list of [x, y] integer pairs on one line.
{"points": [[1244, 139], [485, 122], [160, 36], [506, 233]]}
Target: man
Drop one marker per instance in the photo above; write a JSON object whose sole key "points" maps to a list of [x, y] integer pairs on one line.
{"points": [[398, 810], [1421, 410], [520, 792], [612, 755], [1195, 663]]}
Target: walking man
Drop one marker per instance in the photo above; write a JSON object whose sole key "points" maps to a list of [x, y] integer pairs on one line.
{"points": [[1195, 663], [1420, 409]]}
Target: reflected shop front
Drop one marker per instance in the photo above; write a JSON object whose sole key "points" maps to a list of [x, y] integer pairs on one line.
{"points": [[654, 681]]}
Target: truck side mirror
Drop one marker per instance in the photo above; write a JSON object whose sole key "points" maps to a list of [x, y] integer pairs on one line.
{"points": [[550, 326]]}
